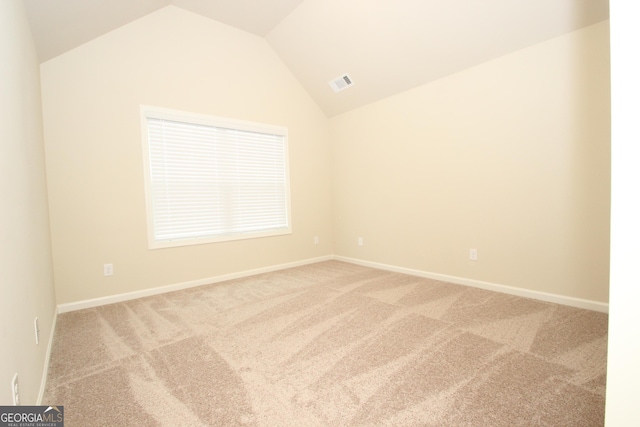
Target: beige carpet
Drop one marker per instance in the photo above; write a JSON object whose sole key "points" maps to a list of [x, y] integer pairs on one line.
{"points": [[330, 344]]}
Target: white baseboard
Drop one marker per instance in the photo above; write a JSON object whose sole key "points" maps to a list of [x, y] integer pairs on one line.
{"points": [[527, 293], [96, 302], [45, 370]]}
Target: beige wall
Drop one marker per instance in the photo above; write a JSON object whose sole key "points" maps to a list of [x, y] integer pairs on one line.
{"points": [[178, 60], [511, 157], [26, 281]]}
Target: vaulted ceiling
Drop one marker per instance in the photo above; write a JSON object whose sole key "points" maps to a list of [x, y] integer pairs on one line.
{"points": [[386, 46]]}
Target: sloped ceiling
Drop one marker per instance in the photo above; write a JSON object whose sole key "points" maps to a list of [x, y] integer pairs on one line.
{"points": [[386, 46]]}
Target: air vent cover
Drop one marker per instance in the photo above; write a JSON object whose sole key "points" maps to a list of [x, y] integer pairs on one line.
{"points": [[341, 83]]}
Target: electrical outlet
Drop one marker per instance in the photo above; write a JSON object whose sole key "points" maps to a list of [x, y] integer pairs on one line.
{"points": [[473, 254], [316, 240], [15, 391], [108, 269], [360, 241], [37, 328]]}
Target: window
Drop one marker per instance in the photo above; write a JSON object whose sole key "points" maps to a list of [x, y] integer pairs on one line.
{"points": [[210, 179]]}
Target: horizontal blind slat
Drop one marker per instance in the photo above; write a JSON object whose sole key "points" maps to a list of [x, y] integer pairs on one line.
{"points": [[209, 181]]}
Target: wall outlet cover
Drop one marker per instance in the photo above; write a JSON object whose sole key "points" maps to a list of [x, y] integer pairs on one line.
{"points": [[15, 391]]}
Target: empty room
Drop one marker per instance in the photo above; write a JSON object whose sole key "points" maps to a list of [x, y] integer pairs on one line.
{"points": [[319, 212]]}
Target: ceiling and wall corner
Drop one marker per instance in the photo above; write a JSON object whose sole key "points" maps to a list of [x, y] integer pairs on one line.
{"points": [[387, 46]]}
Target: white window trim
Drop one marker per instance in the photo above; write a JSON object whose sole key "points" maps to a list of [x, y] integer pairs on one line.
{"points": [[202, 119]]}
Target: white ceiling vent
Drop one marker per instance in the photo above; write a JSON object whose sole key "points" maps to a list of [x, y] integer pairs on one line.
{"points": [[341, 83]]}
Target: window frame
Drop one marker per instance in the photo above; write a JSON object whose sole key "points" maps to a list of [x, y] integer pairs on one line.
{"points": [[146, 112]]}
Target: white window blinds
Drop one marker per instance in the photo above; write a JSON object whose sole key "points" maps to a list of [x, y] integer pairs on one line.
{"points": [[212, 180]]}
